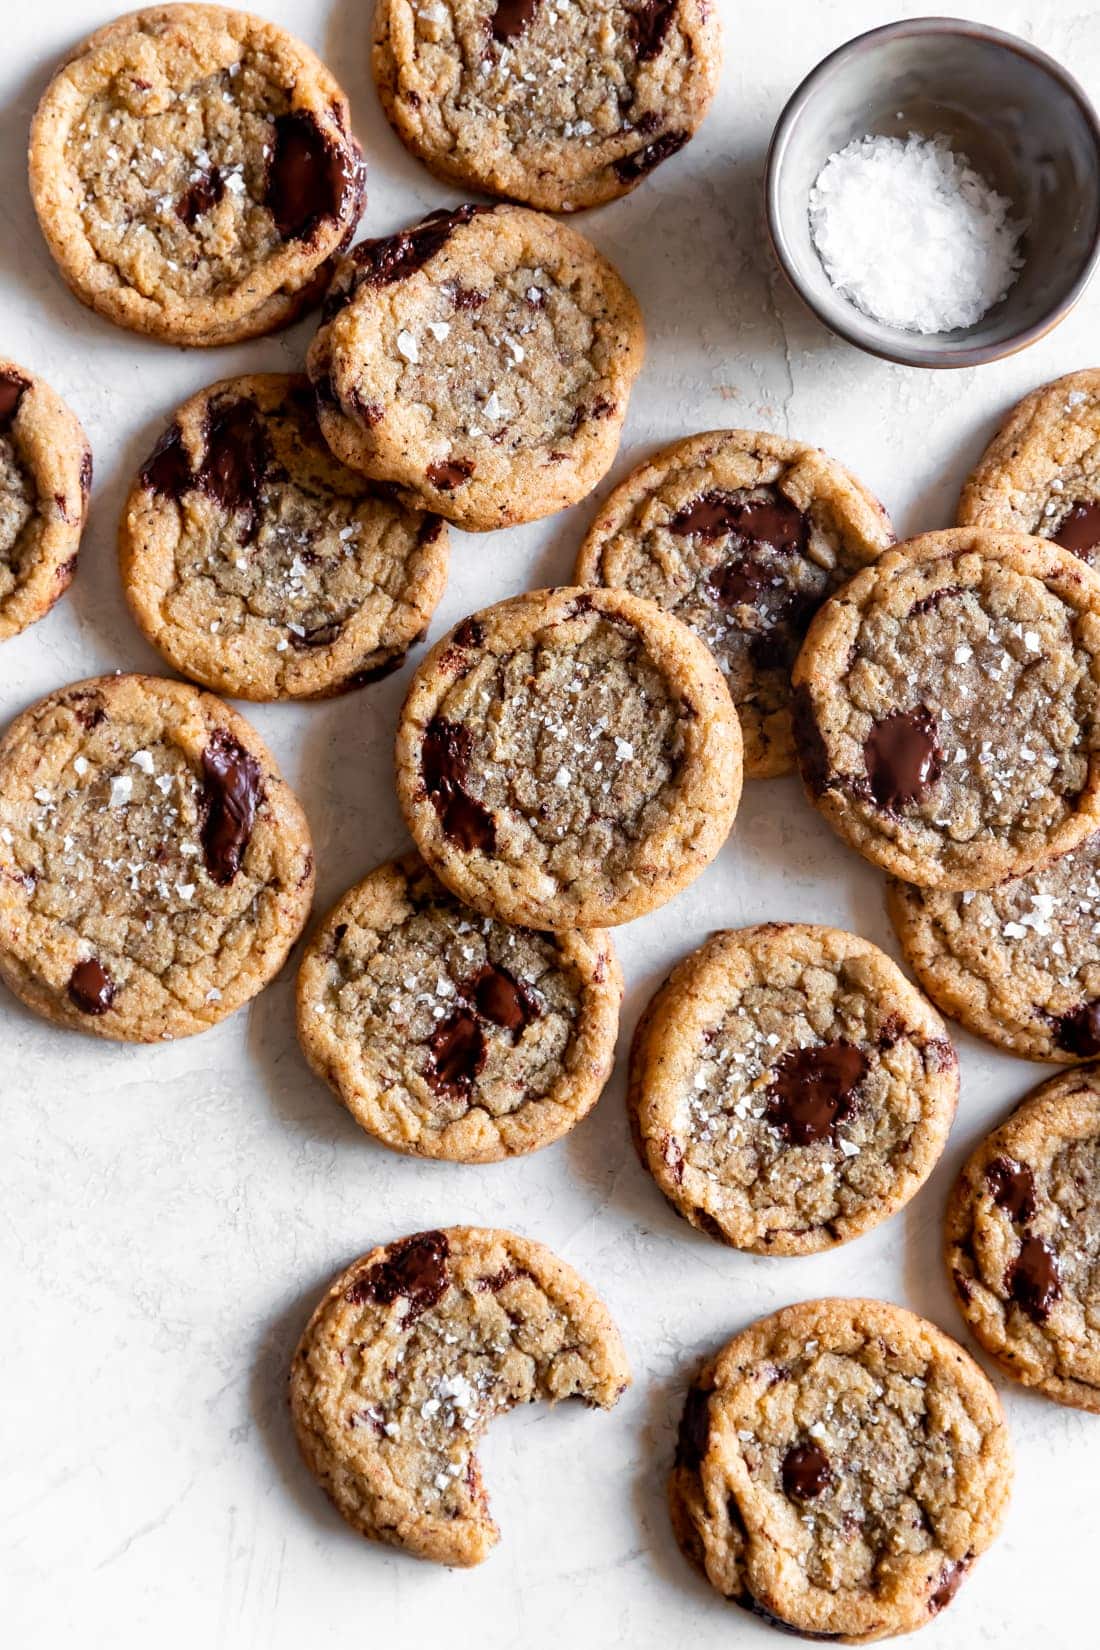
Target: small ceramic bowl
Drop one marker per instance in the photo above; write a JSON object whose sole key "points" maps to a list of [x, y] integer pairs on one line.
{"points": [[1016, 114]]}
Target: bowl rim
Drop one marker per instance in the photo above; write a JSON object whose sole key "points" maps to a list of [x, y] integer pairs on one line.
{"points": [[935, 356]]}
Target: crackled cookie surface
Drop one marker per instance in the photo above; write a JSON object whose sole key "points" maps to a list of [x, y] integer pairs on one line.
{"points": [[155, 868], [481, 360], [569, 759], [1023, 1240], [840, 1467], [447, 1034], [945, 708], [1018, 964], [789, 1088], [45, 479], [193, 170], [408, 1358], [258, 564], [741, 535], [559, 105], [1041, 472]]}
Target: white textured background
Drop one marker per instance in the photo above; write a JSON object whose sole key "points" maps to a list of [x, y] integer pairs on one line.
{"points": [[169, 1214]]}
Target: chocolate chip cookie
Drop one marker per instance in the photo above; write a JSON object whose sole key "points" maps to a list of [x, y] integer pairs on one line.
{"points": [[155, 868], [447, 1034], [840, 1467], [193, 172], [945, 708], [45, 479], [742, 535], [480, 360], [569, 759], [258, 564], [1018, 964], [410, 1355], [789, 1089], [1041, 472], [560, 106], [1023, 1240]]}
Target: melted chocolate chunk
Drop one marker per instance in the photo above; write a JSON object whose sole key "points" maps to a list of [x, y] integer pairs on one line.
{"points": [[13, 387], [235, 461], [950, 1581], [903, 756], [738, 582], [1033, 1281], [443, 763], [86, 473], [694, 1433], [632, 167], [450, 474], [469, 634], [1012, 1188], [496, 1281], [714, 515], [206, 191], [929, 603], [307, 176], [503, 999], [1078, 1032], [814, 1090], [391, 258], [1080, 530], [511, 17], [167, 470], [415, 1270], [806, 1471], [91, 988], [458, 1052], [812, 751], [232, 789], [648, 25]]}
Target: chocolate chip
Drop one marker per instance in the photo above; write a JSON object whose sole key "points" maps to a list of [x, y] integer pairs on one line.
{"points": [[13, 386], [391, 258], [496, 1281], [369, 413], [714, 515], [929, 603], [962, 1284], [377, 673], [467, 297], [632, 167], [308, 176], [206, 191], [903, 756], [647, 26], [694, 1433], [167, 470], [444, 759], [457, 1054], [322, 635], [950, 1581], [469, 634], [806, 1471], [450, 474], [810, 746], [813, 1090], [235, 461], [1033, 1281], [1078, 1031], [890, 1033], [414, 1270], [503, 999], [91, 988], [232, 789], [1012, 1188], [511, 17], [1080, 530], [86, 473]]}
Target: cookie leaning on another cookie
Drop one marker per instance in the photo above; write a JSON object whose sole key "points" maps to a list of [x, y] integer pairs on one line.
{"points": [[1041, 472], [45, 480], [569, 759], [742, 535], [258, 564], [562, 107], [155, 868], [789, 1089], [447, 1034], [947, 708], [840, 1467], [410, 1355], [1022, 1240], [481, 360], [193, 172]]}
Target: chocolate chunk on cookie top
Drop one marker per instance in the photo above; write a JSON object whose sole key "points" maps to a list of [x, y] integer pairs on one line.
{"points": [[481, 360], [193, 170], [742, 535], [155, 869], [1023, 1240], [1041, 472], [447, 1034], [408, 1358], [45, 480], [258, 564], [789, 1088], [559, 106], [945, 708], [1018, 964], [841, 1466], [569, 759]]}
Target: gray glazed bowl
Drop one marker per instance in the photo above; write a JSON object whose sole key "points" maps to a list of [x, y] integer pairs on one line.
{"points": [[1019, 117]]}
